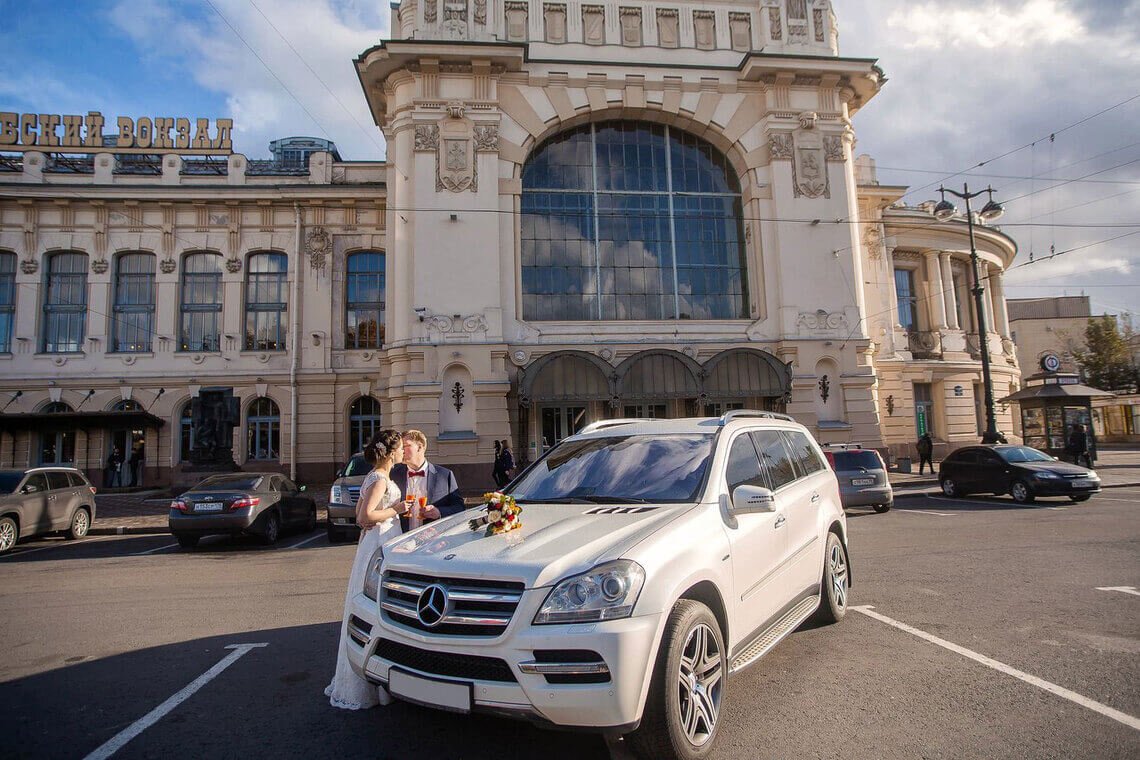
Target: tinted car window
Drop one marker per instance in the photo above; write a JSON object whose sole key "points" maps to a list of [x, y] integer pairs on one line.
{"points": [[58, 479], [963, 457], [662, 468], [774, 455], [37, 481], [1016, 454], [232, 482], [356, 467], [856, 460], [9, 481], [76, 479], [803, 453], [743, 466]]}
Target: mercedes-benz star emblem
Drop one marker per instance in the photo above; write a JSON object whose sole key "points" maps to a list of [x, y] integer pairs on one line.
{"points": [[432, 605]]}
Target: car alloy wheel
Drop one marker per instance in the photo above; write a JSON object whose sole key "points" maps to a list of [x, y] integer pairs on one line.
{"points": [[272, 528], [80, 524], [8, 534], [1020, 492], [699, 692], [949, 487], [837, 573]]}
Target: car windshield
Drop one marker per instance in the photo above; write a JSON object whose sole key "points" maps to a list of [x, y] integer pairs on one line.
{"points": [[620, 469], [230, 482], [856, 460], [356, 467], [9, 480], [1015, 454]]}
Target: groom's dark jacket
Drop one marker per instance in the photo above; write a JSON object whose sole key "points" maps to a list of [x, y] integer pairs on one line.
{"points": [[442, 489]]}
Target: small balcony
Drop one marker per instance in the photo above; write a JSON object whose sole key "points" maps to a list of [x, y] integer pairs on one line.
{"points": [[924, 344]]}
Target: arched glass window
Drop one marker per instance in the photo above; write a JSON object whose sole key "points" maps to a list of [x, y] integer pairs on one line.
{"points": [[624, 220], [364, 300], [201, 304], [134, 302], [65, 302], [266, 301], [363, 422], [185, 432], [263, 430], [7, 299], [57, 446]]}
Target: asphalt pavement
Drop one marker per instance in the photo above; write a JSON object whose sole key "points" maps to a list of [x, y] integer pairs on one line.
{"points": [[981, 628]]}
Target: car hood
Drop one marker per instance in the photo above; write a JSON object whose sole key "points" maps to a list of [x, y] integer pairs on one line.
{"points": [[1061, 468], [554, 541]]}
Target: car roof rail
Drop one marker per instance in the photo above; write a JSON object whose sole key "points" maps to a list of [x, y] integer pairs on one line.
{"points": [[602, 424], [736, 414]]}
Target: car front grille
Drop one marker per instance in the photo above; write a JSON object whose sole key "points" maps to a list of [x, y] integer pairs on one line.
{"points": [[353, 494], [445, 663], [476, 607]]}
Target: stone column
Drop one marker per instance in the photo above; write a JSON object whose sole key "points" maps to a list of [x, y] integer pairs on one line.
{"points": [[935, 298], [891, 287], [951, 298], [997, 294]]}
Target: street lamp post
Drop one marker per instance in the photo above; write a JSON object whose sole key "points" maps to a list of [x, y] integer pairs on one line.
{"points": [[990, 212]]}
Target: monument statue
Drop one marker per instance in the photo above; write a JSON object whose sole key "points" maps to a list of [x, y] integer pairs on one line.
{"points": [[213, 416]]}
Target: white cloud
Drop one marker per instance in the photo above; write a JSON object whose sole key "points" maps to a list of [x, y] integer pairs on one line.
{"points": [[934, 25], [328, 34]]}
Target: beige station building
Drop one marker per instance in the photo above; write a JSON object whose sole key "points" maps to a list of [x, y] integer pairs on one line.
{"points": [[587, 210]]}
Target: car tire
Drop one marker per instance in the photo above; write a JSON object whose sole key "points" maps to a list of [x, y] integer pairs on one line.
{"points": [[1020, 492], [9, 534], [949, 488], [676, 721], [881, 508], [834, 590], [80, 524], [1081, 497], [186, 541], [270, 528], [311, 523]]}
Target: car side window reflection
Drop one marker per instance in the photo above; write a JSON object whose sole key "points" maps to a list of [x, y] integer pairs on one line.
{"points": [[743, 466], [774, 455]]}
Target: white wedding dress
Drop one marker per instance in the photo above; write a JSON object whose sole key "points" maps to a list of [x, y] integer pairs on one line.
{"points": [[348, 690]]}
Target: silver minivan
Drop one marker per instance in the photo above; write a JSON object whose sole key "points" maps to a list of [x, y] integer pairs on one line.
{"points": [[44, 500]]}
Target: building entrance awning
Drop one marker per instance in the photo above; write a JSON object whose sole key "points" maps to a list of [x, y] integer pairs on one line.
{"points": [[13, 423]]}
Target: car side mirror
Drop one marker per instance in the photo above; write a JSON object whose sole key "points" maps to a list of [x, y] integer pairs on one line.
{"points": [[752, 499], [30, 489]]}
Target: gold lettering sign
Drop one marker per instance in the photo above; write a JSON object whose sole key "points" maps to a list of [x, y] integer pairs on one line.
{"points": [[69, 133]]}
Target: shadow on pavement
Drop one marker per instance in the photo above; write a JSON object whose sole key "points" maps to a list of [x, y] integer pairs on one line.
{"points": [[932, 503], [269, 703]]}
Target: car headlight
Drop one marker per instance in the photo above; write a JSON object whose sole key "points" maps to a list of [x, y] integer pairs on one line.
{"points": [[1093, 476], [1046, 475], [372, 579], [606, 592], [335, 495]]}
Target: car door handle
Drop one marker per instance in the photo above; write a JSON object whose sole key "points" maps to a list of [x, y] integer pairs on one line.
{"points": [[780, 519], [814, 498]]}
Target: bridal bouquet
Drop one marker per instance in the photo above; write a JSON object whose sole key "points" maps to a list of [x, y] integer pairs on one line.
{"points": [[502, 515]]}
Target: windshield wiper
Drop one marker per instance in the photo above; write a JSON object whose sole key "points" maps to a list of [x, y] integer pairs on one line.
{"points": [[596, 499]]}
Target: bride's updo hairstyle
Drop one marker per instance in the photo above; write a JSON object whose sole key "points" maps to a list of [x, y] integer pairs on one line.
{"points": [[382, 446]]}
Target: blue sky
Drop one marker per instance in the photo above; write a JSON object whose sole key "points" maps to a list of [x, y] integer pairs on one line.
{"points": [[968, 81]]}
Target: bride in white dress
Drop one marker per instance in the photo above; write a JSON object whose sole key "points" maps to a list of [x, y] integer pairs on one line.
{"points": [[377, 512]]}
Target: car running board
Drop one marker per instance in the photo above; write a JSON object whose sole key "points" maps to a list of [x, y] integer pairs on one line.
{"points": [[771, 637]]}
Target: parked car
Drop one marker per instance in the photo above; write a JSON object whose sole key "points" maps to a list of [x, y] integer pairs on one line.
{"points": [[862, 475], [653, 559], [342, 500], [257, 503], [44, 500], [1023, 472]]}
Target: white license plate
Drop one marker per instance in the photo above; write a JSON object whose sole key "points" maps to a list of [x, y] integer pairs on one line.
{"points": [[344, 521], [1083, 485], [208, 506], [444, 695], [862, 481]]}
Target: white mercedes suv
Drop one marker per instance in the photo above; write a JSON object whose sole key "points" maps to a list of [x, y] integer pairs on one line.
{"points": [[654, 559]]}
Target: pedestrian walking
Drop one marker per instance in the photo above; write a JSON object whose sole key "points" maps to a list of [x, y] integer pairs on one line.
{"points": [[496, 472], [137, 457], [506, 462], [113, 472], [925, 448], [1078, 445]]}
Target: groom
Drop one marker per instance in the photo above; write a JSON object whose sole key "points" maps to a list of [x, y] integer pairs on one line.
{"points": [[419, 477]]}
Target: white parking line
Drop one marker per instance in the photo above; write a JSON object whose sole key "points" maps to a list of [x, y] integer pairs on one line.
{"points": [[1122, 589], [1001, 667], [152, 551], [926, 512], [308, 540], [116, 742]]}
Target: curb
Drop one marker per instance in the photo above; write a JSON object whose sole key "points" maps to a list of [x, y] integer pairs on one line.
{"points": [[124, 531]]}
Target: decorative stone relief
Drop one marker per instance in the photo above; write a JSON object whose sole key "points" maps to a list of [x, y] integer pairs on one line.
{"points": [[780, 145], [167, 265], [668, 28], [817, 20], [775, 25], [554, 17], [481, 12], [630, 26], [822, 321], [29, 266], [606, 353], [809, 173], [319, 245], [873, 242], [454, 25], [594, 24], [808, 119], [427, 137], [740, 31], [516, 13], [99, 266], [486, 137], [520, 358], [797, 21], [704, 29], [455, 324], [833, 147], [233, 266], [430, 12], [455, 109]]}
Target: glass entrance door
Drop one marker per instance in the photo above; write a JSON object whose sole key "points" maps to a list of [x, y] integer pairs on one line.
{"points": [[560, 422]]}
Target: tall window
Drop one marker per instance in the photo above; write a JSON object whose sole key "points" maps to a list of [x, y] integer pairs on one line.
{"points": [[266, 301], [7, 300], [263, 430], [57, 446], [65, 302], [363, 422], [908, 299], [185, 432], [623, 220], [201, 302], [364, 300], [134, 302]]}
